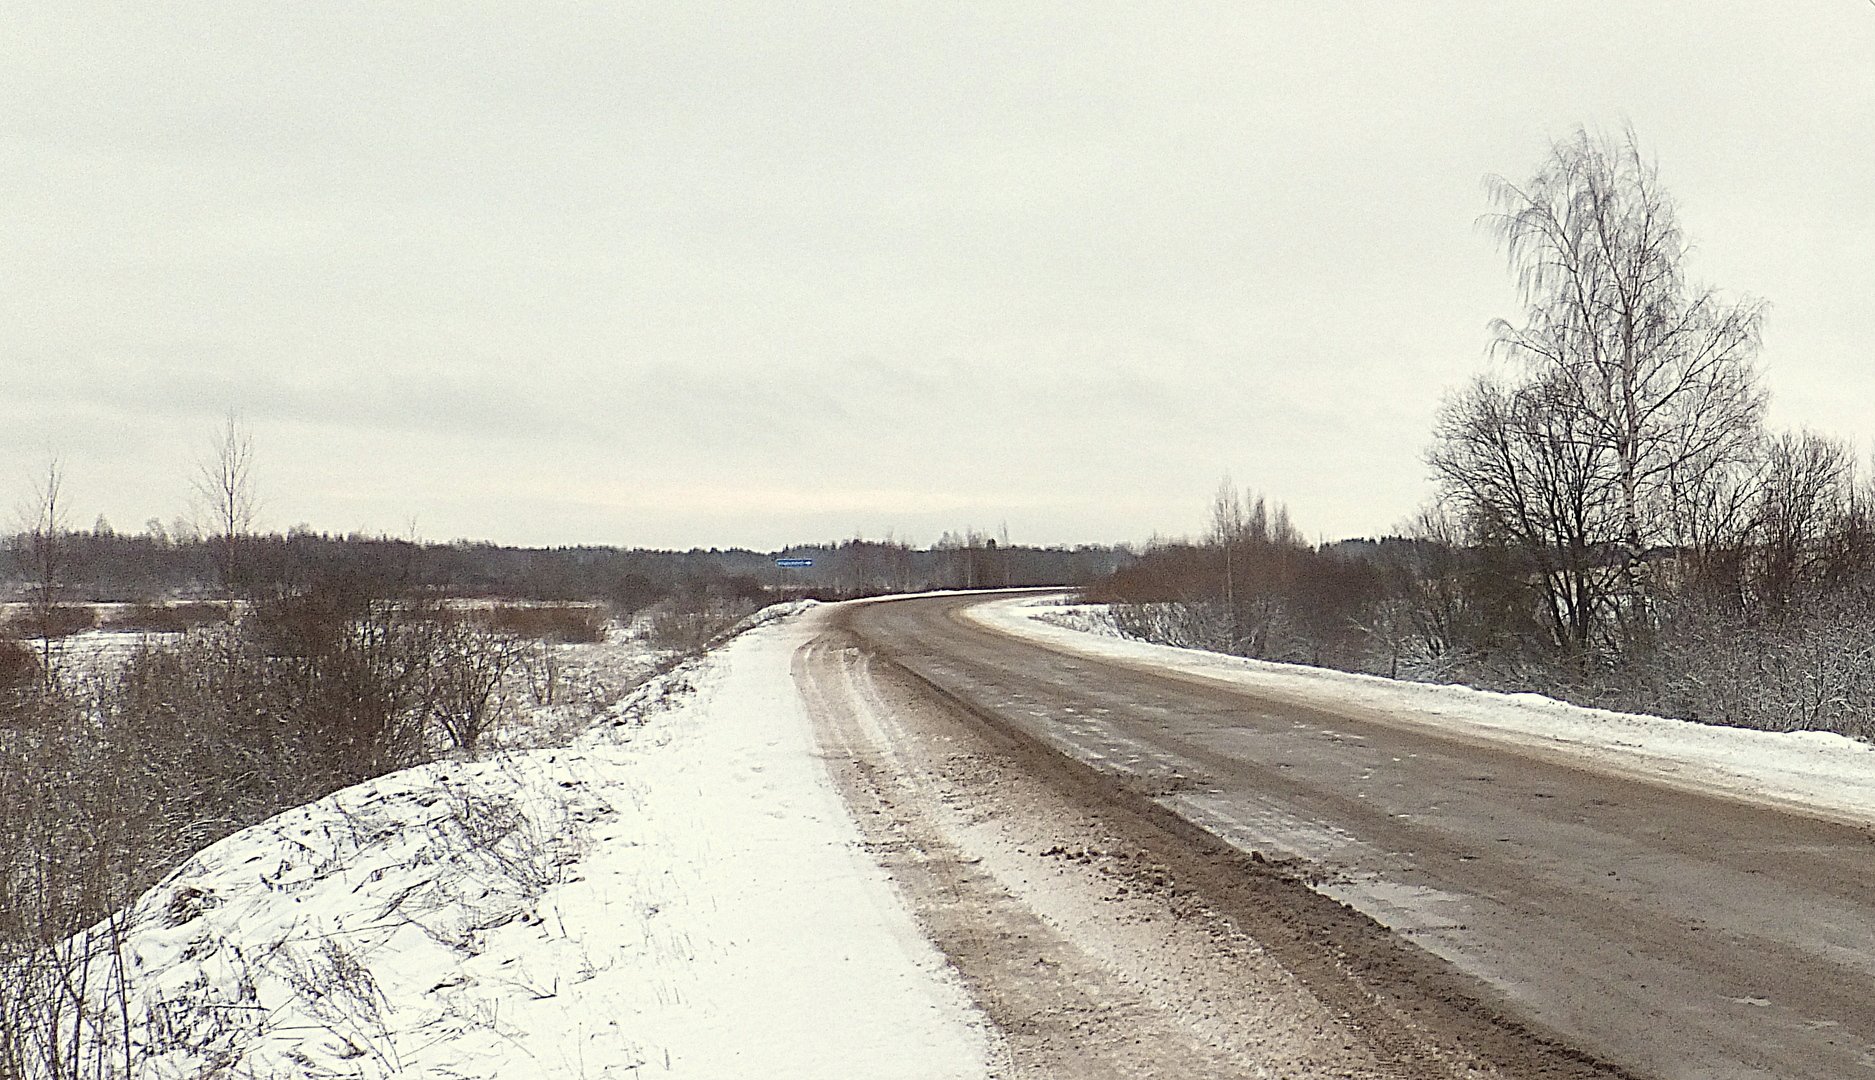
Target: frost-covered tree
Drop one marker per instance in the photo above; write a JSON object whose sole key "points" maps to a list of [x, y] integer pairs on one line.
{"points": [[1662, 373], [1632, 395]]}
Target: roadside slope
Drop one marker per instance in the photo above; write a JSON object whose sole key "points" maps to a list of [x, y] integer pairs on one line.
{"points": [[681, 893]]}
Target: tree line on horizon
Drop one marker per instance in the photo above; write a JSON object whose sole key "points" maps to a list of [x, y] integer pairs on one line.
{"points": [[216, 552], [100, 565]]}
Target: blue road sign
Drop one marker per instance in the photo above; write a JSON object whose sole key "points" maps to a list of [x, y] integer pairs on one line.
{"points": [[794, 562]]}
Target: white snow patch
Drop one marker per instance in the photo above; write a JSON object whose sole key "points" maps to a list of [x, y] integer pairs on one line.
{"points": [[678, 895], [95, 654], [1812, 771]]}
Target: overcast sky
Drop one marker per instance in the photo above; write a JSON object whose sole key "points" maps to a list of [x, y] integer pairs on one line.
{"points": [[696, 274]]}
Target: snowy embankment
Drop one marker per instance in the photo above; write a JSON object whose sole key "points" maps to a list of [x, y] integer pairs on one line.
{"points": [[679, 892], [1812, 771]]}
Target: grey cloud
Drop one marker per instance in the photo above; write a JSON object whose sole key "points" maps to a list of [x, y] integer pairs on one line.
{"points": [[528, 266]]}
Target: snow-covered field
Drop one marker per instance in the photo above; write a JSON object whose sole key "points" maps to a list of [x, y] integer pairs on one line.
{"points": [[1813, 771], [94, 653], [677, 892]]}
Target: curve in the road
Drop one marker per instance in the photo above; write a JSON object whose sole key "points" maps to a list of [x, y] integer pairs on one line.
{"points": [[1677, 934]]}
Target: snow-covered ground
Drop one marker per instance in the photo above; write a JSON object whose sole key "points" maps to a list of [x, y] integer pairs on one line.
{"points": [[94, 653], [1813, 771], [678, 892]]}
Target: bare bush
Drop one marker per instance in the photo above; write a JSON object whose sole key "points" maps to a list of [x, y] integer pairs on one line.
{"points": [[525, 848], [683, 630], [1185, 625], [53, 621], [572, 624], [193, 739], [337, 988], [466, 669], [79, 815], [19, 667], [540, 666]]}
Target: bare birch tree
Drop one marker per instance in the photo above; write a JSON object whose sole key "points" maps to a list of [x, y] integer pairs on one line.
{"points": [[224, 484], [1634, 407], [1661, 373], [46, 543], [1228, 528]]}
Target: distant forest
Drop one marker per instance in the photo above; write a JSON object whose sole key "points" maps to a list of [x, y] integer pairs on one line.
{"points": [[101, 565]]}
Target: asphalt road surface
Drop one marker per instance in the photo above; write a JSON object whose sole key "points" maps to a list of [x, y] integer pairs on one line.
{"points": [[1618, 927]]}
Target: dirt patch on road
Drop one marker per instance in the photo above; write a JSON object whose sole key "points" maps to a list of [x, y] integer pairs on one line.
{"points": [[1108, 937]]}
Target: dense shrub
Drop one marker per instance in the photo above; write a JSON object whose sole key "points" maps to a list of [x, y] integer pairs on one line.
{"points": [[685, 630], [80, 835], [19, 666], [104, 790], [568, 623], [52, 620]]}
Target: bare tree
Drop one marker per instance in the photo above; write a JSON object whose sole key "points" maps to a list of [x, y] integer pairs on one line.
{"points": [[467, 669], [46, 542], [1527, 479], [1228, 527], [1634, 411], [1257, 548], [1662, 374], [1805, 495], [1425, 616], [224, 484]]}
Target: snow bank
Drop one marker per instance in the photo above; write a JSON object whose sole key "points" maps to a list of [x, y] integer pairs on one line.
{"points": [[681, 894], [1816, 772]]}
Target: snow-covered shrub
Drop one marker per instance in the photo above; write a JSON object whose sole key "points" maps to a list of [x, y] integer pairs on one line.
{"points": [[692, 630], [76, 821], [1811, 667], [1187, 625]]}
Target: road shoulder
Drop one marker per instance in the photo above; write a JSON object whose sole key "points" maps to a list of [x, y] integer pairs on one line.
{"points": [[1086, 934]]}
